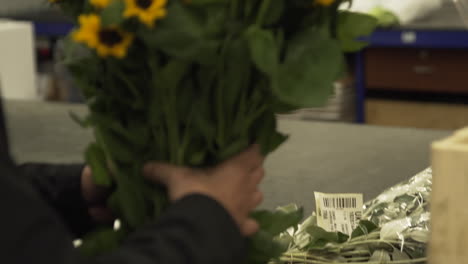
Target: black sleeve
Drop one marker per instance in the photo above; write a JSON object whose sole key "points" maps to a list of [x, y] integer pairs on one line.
{"points": [[196, 230], [60, 187]]}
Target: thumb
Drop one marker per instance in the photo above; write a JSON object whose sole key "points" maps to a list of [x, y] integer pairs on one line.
{"points": [[250, 227], [161, 172]]}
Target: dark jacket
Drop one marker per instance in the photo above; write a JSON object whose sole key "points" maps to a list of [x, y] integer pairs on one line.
{"points": [[42, 211]]}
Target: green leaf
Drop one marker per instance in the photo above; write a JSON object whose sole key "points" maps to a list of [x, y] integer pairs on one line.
{"points": [[173, 73], [113, 204], [385, 17], [204, 125], [405, 198], [114, 145], [72, 8], [274, 223], [123, 79], [397, 255], [380, 256], [351, 26], [275, 140], [263, 49], [236, 78], [342, 237], [85, 72], [83, 122], [182, 35], [418, 252], [101, 241], [96, 159], [111, 124], [232, 149], [73, 52], [313, 62], [113, 14], [177, 28], [266, 134], [263, 248], [197, 158], [214, 20], [207, 2], [365, 227], [319, 237], [275, 12], [129, 198], [282, 108]]}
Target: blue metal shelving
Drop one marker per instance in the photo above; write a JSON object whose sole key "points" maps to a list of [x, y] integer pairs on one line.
{"points": [[431, 39], [52, 29], [419, 38]]}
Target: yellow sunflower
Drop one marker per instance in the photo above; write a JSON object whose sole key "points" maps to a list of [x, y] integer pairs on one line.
{"points": [[147, 11], [107, 41], [100, 3], [324, 2]]}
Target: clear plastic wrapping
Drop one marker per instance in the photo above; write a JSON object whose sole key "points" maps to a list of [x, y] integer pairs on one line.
{"points": [[395, 230]]}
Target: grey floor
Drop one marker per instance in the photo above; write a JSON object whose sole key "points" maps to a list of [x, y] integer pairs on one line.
{"points": [[325, 157]]}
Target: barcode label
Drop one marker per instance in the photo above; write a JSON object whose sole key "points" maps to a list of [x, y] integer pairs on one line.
{"points": [[339, 212], [340, 202]]}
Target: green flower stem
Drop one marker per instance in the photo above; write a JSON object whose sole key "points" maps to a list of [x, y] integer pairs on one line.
{"points": [[305, 256], [234, 8], [263, 12], [280, 40], [308, 261], [372, 235], [170, 112], [389, 242], [220, 110], [241, 113], [185, 139], [355, 252], [256, 113]]}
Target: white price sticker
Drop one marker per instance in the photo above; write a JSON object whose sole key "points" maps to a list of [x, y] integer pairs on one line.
{"points": [[339, 212]]}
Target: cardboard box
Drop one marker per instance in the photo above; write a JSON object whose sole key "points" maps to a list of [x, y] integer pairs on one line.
{"points": [[416, 114]]}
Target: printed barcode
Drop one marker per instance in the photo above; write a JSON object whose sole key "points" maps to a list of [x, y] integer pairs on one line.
{"points": [[340, 203]]}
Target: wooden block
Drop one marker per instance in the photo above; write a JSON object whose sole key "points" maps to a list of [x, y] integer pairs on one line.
{"points": [[416, 114], [449, 210]]}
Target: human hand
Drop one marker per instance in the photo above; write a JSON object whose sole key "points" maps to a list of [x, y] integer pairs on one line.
{"points": [[234, 184], [95, 196]]}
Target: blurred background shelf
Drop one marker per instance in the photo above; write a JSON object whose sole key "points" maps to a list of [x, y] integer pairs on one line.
{"points": [[423, 62], [420, 62]]}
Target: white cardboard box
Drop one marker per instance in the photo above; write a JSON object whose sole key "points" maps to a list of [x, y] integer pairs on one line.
{"points": [[17, 60]]}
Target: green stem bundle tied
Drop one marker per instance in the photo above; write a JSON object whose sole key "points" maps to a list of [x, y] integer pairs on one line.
{"points": [[195, 82]]}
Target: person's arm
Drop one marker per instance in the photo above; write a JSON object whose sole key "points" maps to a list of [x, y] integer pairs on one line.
{"points": [[60, 187], [195, 230]]}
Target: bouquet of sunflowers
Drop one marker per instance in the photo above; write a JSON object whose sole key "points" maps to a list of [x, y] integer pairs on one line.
{"points": [[194, 82]]}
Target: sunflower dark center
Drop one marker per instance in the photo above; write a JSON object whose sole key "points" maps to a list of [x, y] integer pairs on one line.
{"points": [[144, 4], [110, 37]]}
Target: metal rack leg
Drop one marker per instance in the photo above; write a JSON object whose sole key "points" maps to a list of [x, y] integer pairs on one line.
{"points": [[360, 88]]}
